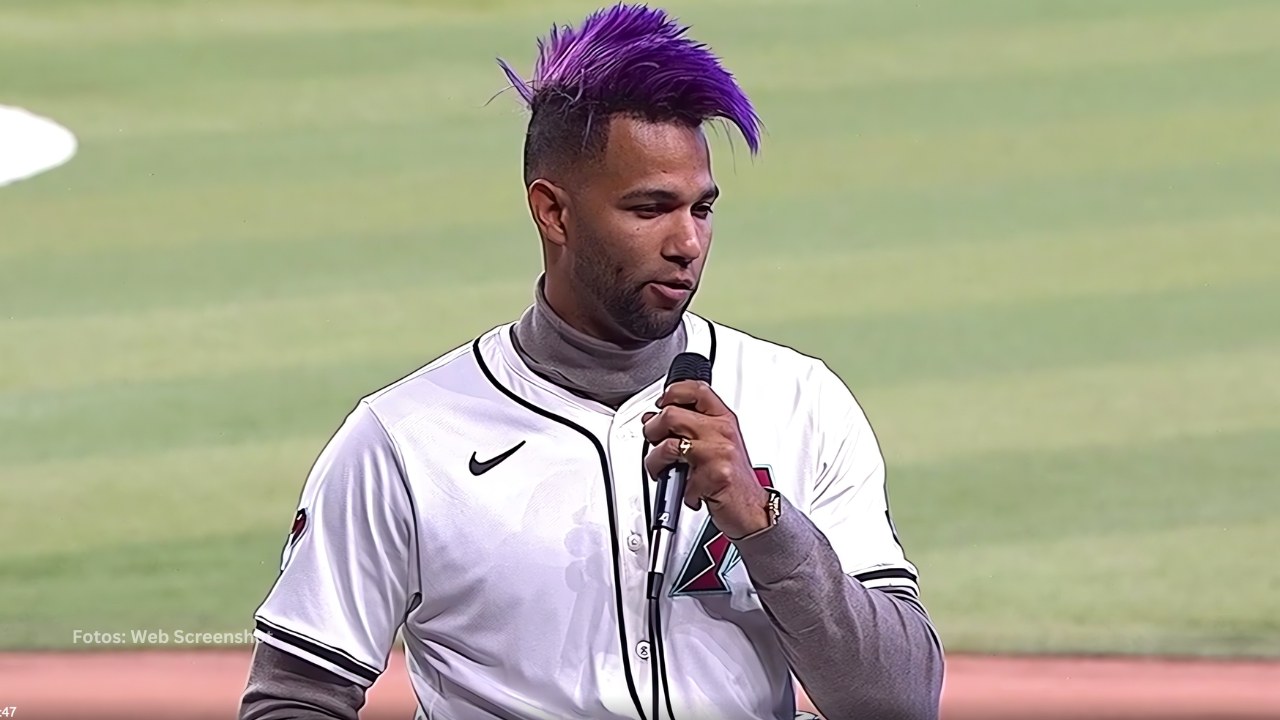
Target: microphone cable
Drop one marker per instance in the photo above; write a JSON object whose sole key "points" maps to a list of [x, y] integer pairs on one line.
{"points": [[658, 657]]}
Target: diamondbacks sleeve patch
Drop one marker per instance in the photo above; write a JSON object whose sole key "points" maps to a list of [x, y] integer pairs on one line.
{"points": [[295, 534]]}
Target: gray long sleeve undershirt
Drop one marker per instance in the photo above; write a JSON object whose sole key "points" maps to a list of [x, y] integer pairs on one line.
{"points": [[284, 687], [858, 653]]}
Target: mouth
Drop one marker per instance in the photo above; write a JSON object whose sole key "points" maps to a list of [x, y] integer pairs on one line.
{"points": [[671, 292]]}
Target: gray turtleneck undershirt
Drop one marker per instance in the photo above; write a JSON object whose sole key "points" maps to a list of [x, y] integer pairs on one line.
{"points": [[859, 653], [587, 366]]}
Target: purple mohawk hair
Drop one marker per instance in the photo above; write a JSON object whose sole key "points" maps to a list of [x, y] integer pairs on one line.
{"points": [[631, 58]]}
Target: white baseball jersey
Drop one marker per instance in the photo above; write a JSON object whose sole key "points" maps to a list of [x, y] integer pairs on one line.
{"points": [[503, 522]]}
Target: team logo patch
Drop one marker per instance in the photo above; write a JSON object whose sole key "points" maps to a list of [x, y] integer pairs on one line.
{"points": [[706, 570], [295, 534]]}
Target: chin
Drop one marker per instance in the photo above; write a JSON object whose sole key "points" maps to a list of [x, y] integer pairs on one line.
{"points": [[659, 324], [643, 320]]}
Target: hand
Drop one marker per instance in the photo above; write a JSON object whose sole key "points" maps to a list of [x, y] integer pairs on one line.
{"points": [[720, 471]]}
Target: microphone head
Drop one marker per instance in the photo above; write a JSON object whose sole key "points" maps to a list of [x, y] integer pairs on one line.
{"points": [[689, 366]]}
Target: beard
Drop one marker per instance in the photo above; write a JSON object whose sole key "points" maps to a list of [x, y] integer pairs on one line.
{"points": [[603, 279]]}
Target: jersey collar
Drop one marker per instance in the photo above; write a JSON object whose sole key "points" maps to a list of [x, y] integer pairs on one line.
{"points": [[699, 338]]}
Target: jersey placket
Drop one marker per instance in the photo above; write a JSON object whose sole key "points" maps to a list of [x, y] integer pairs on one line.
{"points": [[625, 447]]}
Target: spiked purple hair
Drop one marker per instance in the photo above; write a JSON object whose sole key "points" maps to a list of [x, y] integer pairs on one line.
{"points": [[634, 59]]}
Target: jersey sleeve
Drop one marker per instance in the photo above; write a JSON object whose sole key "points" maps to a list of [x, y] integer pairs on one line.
{"points": [[850, 502], [348, 572]]}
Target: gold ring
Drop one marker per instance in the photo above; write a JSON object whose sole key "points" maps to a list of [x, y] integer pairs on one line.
{"points": [[683, 447]]}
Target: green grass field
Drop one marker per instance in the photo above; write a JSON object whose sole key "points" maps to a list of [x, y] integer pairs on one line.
{"points": [[1039, 239]]}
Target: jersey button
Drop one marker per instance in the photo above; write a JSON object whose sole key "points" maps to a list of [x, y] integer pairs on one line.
{"points": [[634, 542], [642, 649]]}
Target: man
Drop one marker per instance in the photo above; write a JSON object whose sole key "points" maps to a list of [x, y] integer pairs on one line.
{"points": [[495, 504]]}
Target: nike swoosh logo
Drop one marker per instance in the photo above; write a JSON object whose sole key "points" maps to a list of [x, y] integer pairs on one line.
{"points": [[478, 467]]}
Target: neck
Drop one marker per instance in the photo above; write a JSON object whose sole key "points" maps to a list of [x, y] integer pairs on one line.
{"points": [[584, 364]]}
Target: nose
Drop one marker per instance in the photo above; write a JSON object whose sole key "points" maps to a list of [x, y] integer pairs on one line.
{"points": [[684, 245]]}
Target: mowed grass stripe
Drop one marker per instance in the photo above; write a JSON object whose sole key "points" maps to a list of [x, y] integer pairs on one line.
{"points": [[1002, 50], [870, 349], [1014, 266], [1013, 270], [1140, 592], [217, 272], [432, 102], [309, 331], [437, 72], [1100, 491], [1103, 405], [987, 341], [261, 81], [437, 98], [1110, 404], [123, 419], [824, 216], [40, 21], [1004, 292], [237, 80], [938, 52], [303, 212], [1097, 548], [273, 156], [159, 495], [891, 158], [163, 224], [1080, 148], [209, 584], [989, 103], [941, 44]]}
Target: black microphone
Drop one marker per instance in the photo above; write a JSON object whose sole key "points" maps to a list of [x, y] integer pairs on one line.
{"points": [[671, 481]]}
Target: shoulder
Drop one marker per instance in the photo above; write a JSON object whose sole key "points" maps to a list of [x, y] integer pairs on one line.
{"points": [[455, 372], [747, 354], [793, 378], [442, 383], [379, 423]]}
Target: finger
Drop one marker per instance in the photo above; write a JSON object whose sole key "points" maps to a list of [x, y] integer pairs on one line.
{"points": [[693, 394], [663, 455], [667, 453], [675, 422]]}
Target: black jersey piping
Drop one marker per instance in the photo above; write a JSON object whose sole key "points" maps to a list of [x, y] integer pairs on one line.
{"points": [[613, 522], [644, 478], [711, 355], [328, 653]]}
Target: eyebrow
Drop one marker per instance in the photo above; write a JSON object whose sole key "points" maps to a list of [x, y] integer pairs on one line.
{"points": [[663, 195]]}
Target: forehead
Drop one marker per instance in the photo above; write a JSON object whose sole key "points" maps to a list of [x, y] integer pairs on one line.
{"points": [[660, 154]]}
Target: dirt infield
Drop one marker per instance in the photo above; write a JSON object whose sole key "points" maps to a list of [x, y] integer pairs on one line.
{"points": [[199, 685]]}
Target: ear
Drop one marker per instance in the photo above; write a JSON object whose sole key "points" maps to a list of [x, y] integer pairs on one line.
{"points": [[549, 206]]}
